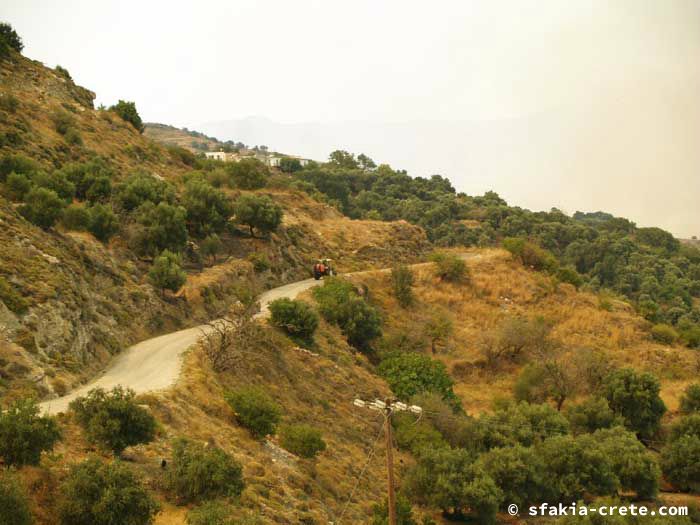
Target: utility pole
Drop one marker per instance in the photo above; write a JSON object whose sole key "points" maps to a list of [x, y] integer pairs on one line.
{"points": [[387, 408]]}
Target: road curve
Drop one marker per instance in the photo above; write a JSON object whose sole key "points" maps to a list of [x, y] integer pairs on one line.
{"points": [[154, 364]]}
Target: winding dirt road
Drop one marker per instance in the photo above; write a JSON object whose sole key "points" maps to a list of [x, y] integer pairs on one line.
{"points": [[154, 364]]}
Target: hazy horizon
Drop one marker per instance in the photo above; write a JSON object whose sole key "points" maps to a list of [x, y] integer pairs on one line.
{"points": [[580, 105]]}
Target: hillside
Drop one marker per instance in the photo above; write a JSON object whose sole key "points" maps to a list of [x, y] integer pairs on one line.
{"points": [[554, 357], [193, 141]]}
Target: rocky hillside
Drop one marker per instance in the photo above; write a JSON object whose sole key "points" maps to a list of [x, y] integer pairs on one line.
{"points": [[69, 301]]}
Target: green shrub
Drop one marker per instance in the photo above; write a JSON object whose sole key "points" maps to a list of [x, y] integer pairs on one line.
{"points": [[211, 513], [43, 207], [690, 402], [664, 333], [18, 185], [13, 300], [160, 227], [9, 102], [208, 209], [339, 304], [592, 414], [450, 267], [18, 164], [73, 137], [113, 420], [56, 181], [568, 274], [302, 440], [10, 38], [24, 434], [76, 217], [103, 222], [635, 397], [62, 71], [199, 473], [416, 437], [127, 111], [691, 336], [248, 174], [14, 504], [290, 165], [210, 247], [255, 410], [404, 513], [297, 318], [258, 212], [98, 493], [680, 461], [530, 254], [259, 261], [402, 284], [140, 187], [166, 273], [520, 424], [411, 373], [62, 121]]}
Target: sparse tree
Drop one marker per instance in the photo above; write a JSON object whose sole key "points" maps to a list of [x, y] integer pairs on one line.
{"points": [[208, 209], [210, 247], [227, 338], [127, 111], [690, 402], [9, 39], [166, 273], [438, 329], [258, 212]]}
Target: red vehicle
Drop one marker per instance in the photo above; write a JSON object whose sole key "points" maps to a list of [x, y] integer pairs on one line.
{"points": [[323, 268]]}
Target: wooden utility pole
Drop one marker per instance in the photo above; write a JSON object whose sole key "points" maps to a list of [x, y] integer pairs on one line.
{"points": [[387, 408], [391, 496]]}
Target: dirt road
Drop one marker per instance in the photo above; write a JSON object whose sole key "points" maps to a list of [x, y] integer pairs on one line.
{"points": [[154, 364]]}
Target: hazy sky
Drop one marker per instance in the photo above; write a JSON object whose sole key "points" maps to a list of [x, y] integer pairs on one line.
{"points": [[577, 104]]}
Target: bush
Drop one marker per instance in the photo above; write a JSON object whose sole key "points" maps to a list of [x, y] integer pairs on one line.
{"points": [[448, 479], [411, 373], [297, 318], [24, 434], [450, 268], [127, 111], [635, 397], [520, 424], [73, 137], [56, 181], [290, 165], [248, 174], [568, 274], [255, 410], [592, 414], [211, 513], [664, 333], [76, 217], [404, 513], [685, 426], [141, 187], [166, 273], [62, 121], [199, 473], [14, 504], [43, 207], [18, 164], [339, 304], [680, 461], [690, 402], [258, 212], [98, 493], [210, 247], [531, 254], [416, 437], [402, 284], [103, 222], [302, 440], [161, 227], [18, 185], [9, 102], [13, 300], [259, 261], [113, 420], [208, 209]]}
